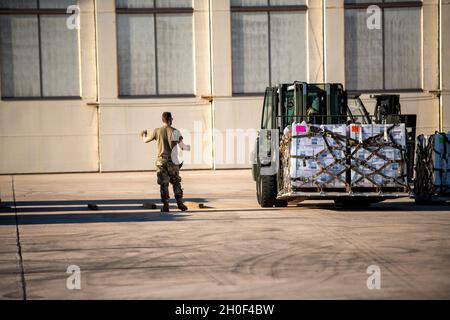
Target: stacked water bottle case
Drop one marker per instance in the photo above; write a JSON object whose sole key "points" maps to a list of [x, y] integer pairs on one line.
{"points": [[321, 156]]}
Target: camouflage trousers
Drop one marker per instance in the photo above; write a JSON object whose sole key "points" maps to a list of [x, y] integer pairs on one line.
{"points": [[168, 172]]}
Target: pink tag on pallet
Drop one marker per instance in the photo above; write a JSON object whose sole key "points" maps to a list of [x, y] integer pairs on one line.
{"points": [[300, 128]]}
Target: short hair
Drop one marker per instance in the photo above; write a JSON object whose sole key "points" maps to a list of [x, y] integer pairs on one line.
{"points": [[166, 116]]}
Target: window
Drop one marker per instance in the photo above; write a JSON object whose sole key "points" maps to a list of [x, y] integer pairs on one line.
{"points": [[155, 47], [268, 43], [388, 58], [38, 53], [268, 109]]}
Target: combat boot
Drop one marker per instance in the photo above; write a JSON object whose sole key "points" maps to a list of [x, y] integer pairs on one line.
{"points": [[181, 205], [165, 207]]}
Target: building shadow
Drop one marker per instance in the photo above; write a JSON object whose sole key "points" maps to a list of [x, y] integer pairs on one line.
{"points": [[86, 202], [40, 212], [114, 217], [107, 217]]}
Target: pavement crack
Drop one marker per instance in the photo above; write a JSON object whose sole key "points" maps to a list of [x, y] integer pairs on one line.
{"points": [[19, 246]]}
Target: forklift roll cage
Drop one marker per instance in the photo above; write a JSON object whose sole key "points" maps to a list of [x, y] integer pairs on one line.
{"points": [[298, 101]]}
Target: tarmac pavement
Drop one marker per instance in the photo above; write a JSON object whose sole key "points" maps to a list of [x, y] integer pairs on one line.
{"points": [[231, 249]]}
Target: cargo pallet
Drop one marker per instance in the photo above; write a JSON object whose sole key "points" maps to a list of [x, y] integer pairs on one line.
{"points": [[333, 193]]}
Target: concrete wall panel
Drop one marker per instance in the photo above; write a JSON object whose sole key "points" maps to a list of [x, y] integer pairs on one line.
{"points": [[315, 42], [55, 136], [237, 121], [47, 137], [122, 149], [335, 45]]}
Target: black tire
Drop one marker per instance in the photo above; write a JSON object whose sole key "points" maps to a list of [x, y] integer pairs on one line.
{"points": [[267, 191], [423, 201], [258, 189]]}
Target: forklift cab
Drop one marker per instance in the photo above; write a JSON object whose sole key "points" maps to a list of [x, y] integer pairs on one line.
{"points": [[300, 101], [296, 102]]}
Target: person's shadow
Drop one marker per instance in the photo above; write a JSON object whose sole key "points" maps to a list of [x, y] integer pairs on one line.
{"points": [[59, 211]]}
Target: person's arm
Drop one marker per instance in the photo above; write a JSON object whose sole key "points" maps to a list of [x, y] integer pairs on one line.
{"points": [[183, 146], [178, 139], [148, 138]]}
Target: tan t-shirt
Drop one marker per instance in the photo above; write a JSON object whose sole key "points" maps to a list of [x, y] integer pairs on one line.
{"points": [[166, 139]]}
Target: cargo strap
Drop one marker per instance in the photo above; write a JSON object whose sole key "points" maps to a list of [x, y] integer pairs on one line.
{"points": [[443, 171], [425, 185], [329, 149], [373, 144]]}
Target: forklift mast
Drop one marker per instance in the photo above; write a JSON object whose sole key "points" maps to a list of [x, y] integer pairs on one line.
{"points": [[387, 108]]}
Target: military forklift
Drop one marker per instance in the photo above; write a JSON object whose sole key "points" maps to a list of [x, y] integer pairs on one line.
{"points": [[319, 104]]}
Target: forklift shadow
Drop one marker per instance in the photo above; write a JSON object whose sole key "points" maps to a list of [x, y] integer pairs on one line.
{"points": [[398, 206]]}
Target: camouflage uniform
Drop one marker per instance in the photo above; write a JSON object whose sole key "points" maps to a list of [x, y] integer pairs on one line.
{"points": [[168, 172]]}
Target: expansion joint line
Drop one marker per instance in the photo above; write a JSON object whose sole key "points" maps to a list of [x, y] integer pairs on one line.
{"points": [[19, 246]]}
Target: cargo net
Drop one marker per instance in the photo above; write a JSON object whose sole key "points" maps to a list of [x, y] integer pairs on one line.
{"points": [[432, 165], [329, 157], [314, 157], [377, 156]]}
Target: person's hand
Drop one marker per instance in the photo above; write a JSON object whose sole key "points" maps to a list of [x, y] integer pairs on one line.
{"points": [[183, 146]]}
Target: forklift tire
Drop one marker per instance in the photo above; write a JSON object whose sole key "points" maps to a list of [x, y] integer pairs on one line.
{"points": [[422, 201], [258, 189], [266, 187]]}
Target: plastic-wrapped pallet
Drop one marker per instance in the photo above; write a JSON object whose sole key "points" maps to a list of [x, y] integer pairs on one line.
{"points": [[312, 164], [360, 133], [441, 162], [334, 159], [377, 155]]}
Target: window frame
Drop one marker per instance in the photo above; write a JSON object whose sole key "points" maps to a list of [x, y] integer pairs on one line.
{"points": [[151, 11], [261, 9], [382, 5], [38, 12]]}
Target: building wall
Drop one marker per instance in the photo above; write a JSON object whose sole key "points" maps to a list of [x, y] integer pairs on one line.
{"points": [[445, 64], [121, 120], [100, 131], [55, 135]]}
